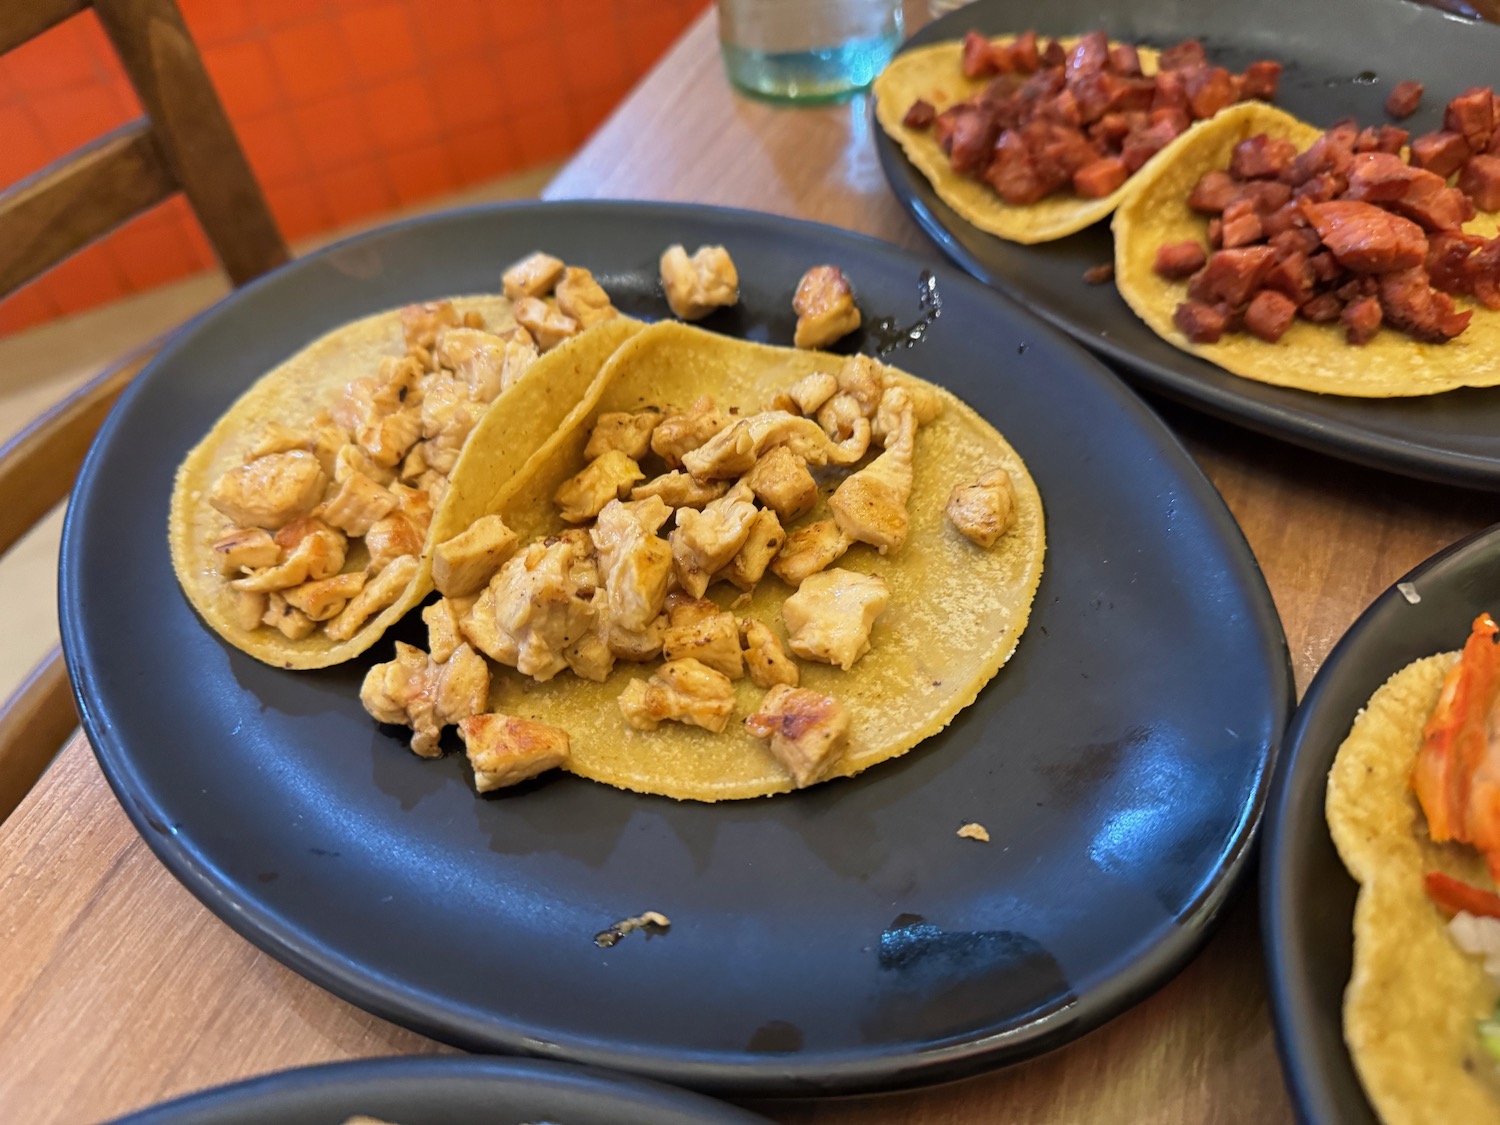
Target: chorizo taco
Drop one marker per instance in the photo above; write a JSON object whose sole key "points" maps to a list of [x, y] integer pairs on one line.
{"points": [[302, 525], [1411, 808], [734, 570], [1332, 261], [1033, 141]]}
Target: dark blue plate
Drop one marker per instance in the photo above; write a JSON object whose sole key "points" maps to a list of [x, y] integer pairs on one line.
{"points": [[837, 940], [1342, 57], [444, 1091]]}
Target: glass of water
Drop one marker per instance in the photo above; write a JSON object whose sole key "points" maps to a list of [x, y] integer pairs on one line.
{"points": [[807, 50]]}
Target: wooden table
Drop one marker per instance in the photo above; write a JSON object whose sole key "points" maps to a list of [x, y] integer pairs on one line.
{"points": [[117, 989]]}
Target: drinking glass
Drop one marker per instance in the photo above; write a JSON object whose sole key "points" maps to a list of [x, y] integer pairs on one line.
{"points": [[807, 50]]}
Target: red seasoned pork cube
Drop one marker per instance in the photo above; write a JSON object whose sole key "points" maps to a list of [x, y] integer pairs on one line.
{"points": [[1177, 260], [1200, 323], [1365, 238], [1099, 178], [1361, 318], [1261, 157], [1480, 181], [1231, 276], [1270, 314], [1404, 99], [1471, 114], [1441, 153], [1260, 80]]}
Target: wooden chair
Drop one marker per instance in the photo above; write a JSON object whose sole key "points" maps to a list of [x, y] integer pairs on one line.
{"points": [[185, 144]]}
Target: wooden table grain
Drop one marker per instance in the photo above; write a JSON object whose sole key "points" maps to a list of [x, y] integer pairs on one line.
{"points": [[117, 989]]}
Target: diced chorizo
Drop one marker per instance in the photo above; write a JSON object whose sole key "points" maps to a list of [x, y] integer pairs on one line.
{"points": [[1241, 224], [1332, 151], [1133, 94], [1065, 148], [1177, 260], [920, 115], [1024, 54], [1480, 181], [1292, 276], [1209, 90], [1482, 271], [1261, 157], [1215, 232], [1125, 59], [1011, 172], [1088, 56], [1145, 143], [1099, 178], [1094, 94], [1098, 275], [1366, 239], [1200, 323], [1260, 80], [1181, 56], [1361, 319], [1447, 261], [1325, 266], [1408, 302], [1471, 114], [1171, 91], [1269, 315], [1062, 109], [1232, 276], [1110, 131], [1442, 152], [1403, 99], [1054, 54], [974, 134], [977, 60], [1213, 192], [1381, 138], [1287, 230], [1175, 119], [943, 126], [1321, 188], [1264, 195], [1321, 309]]}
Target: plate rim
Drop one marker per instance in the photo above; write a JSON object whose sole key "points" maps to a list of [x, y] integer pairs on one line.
{"points": [[901, 1066]]}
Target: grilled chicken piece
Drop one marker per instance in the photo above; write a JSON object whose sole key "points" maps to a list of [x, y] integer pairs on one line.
{"points": [[985, 509], [378, 594], [925, 403], [683, 690], [696, 286], [870, 506], [678, 434], [628, 433], [765, 659], [325, 598], [581, 297], [734, 451], [277, 438], [351, 459], [548, 325], [415, 505], [506, 750], [747, 567], [540, 604], [825, 308], [449, 413], [711, 637], [807, 730], [863, 379], [270, 491], [603, 479], [326, 439], [465, 564], [293, 623], [483, 362], [310, 550], [533, 276], [416, 691], [420, 324], [356, 505], [444, 631], [637, 568], [807, 394], [679, 490], [704, 542], [391, 539], [830, 616], [808, 550], [782, 482], [684, 609], [590, 656], [388, 438], [245, 548], [250, 610], [844, 421]]}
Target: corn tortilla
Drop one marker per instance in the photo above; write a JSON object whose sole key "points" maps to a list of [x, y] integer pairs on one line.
{"points": [[955, 615], [934, 73], [1414, 997], [518, 422], [1310, 357]]}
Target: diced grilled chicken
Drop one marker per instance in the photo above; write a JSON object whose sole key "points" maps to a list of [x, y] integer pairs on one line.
{"points": [[637, 568], [548, 325], [734, 451], [444, 632], [486, 363], [808, 550], [825, 308], [985, 509], [704, 542], [870, 506], [420, 324], [696, 286], [539, 605], [590, 655], [356, 504], [378, 594], [863, 379], [245, 548], [765, 659], [925, 402], [628, 433], [603, 479], [291, 621], [679, 490], [710, 638], [270, 491], [533, 276], [416, 691], [807, 394], [465, 564], [415, 504], [279, 438], [684, 609], [325, 440], [351, 459], [781, 481], [686, 691], [506, 750], [830, 616], [391, 539], [387, 437], [582, 298], [310, 550], [325, 598], [250, 610], [843, 420], [679, 434], [748, 566], [808, 731], [448, 416]]}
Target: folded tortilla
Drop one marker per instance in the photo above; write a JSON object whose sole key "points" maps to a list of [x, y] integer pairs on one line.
{"points": [[1414, 997], [1310, 357], [515, 426], [955, 615]]}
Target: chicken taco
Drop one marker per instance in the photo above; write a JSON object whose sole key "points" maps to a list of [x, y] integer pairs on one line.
{"points": [[1033, 141], [1338, 261], [303, 524], [1412, 809], [733, 571]]}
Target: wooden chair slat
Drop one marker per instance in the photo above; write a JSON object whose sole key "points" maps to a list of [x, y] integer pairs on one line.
{"points": [[194, 134], [24, 20], [48, 216], [34, 724]]}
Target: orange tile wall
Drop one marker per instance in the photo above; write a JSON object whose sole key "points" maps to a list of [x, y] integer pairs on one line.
{"points": [[346, 108]]}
